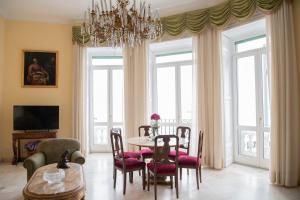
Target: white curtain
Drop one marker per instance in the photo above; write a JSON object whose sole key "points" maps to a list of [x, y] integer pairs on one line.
{"points": [[80, 97], [285, 164], [208, 95], [135, 88]]}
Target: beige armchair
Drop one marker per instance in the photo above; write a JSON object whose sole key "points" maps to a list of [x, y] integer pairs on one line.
{"points": [[50, 151]]}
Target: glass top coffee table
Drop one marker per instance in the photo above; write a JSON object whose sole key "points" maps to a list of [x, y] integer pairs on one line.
{"points": [[71, 187]]}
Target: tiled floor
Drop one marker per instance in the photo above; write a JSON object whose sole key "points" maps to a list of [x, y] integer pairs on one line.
{"points": [[235, 182]]}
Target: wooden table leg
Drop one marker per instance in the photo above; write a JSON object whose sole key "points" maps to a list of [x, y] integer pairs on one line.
{"points": [[15, 159]]}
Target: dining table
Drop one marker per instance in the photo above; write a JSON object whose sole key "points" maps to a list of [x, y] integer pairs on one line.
{"points": [[145, 141]]}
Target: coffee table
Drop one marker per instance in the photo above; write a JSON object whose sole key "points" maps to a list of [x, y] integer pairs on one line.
{"points": [[71, 188]]}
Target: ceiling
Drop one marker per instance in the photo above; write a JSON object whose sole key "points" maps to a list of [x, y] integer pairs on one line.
{"points": [[71, 11]]}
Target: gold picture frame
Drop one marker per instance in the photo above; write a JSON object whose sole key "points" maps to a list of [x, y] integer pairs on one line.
{"points": [[40, 69]]}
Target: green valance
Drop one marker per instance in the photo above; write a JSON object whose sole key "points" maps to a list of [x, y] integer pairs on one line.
{"points": [[196, 21]]}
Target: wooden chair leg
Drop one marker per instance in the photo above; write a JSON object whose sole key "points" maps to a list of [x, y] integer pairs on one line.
{"points": [[148, 180], [197, 178], [176, 184], [155, 188], [131, 177], [171, 181], [115, 177], [144, 177], [200, 174], [124, 183], [180, 171]]}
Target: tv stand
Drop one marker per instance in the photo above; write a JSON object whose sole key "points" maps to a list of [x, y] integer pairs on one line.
{"points": [[17, 137]]}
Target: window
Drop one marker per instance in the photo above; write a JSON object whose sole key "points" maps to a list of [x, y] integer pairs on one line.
{"points": [[172, 82]]}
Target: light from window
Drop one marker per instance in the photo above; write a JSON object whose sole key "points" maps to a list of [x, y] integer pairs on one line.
{"points": [[174, 57], [246, 91], [186, 92], [166, 92], [107, 61], [251, 44], [100, 95]]}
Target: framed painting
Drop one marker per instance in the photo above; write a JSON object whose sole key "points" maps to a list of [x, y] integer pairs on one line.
{"points": [[40, 68]]}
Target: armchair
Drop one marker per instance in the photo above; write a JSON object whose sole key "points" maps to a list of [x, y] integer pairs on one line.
{"points": [[49, 151]]}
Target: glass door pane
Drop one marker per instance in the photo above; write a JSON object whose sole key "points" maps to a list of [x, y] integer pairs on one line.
{"points": [[100, 107], [117, 95], [266, 92], [100, 135], [248, 143], [246, 91], [100, 95], [166, 93], [186, 93], [267, 145]]}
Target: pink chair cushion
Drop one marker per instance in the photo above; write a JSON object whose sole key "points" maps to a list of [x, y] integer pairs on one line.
{"points": [[146, 153], [163, 169], [131, 154], [130, 163], [188, 161], [172, 154]]}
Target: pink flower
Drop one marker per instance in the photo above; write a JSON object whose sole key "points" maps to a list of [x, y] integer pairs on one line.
{"points": [[155, 116]]}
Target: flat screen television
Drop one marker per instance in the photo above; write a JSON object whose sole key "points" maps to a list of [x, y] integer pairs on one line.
{"points": [[36, 117]]}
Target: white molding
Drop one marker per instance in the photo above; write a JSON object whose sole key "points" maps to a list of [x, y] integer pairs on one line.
{"points": [[29, 19]]}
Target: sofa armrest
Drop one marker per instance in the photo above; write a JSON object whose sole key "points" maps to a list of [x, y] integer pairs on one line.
{"points": [[77, 157], [34, 162]]}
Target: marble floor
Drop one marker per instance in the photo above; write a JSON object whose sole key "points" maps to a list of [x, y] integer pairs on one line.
{"points": [[235, 182]]}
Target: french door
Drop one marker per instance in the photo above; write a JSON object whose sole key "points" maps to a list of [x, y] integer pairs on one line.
{"points": [[106, 105], [173, 95], [252, 108]]}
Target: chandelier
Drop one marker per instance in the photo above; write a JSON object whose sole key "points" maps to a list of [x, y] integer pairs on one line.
{"points": [[121, 24]]}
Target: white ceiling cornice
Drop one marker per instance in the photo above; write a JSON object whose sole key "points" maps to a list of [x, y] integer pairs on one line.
{"points": [[72, 11]]}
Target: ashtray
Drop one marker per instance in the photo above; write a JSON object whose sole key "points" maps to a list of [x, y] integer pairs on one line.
{"points": [[54, 175]]}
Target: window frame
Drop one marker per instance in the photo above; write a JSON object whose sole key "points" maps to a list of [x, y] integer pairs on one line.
{"points": [[259, 159], [109, 123], [177, 66]]}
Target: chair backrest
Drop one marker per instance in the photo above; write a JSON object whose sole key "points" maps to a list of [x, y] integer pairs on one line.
{"points": [[54, 148], [161, 152], [117, 144], [184, 133], [144, 130], [200, 144]]}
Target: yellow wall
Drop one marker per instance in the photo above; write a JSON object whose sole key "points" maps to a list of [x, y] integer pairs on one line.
{"points": [[21, 35], [296, 10], [2, 39]]}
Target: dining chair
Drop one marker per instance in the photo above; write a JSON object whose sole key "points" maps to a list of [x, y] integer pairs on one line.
{"points": [[125, 165], [162, 165], [145, 152], [193, 162], [184, 133], [127, 154]]}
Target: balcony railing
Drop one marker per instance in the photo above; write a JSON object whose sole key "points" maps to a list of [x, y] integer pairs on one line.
{"points": [[168, 126]]}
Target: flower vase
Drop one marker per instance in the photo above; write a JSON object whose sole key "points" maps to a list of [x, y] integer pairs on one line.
{"points": [[155, 126]]}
